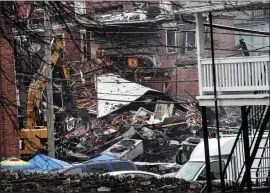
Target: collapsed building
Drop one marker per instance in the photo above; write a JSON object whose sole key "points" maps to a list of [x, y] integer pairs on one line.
{"points": [[110, 109]]}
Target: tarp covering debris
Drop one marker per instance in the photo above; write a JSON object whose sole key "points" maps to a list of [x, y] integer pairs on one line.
{"points": [[47, 163]]}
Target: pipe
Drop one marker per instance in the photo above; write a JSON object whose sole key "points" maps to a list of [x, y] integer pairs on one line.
{"points": [[206, 149], [216, 104]]}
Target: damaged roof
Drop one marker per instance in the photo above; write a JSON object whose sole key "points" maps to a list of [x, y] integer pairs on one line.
{"points": [[114, 92]]}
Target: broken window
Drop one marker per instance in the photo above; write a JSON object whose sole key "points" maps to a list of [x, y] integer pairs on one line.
{"points": [[171, 41], [190, 40], [85, 45]]}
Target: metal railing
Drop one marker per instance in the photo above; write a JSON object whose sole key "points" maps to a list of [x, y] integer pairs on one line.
{"points": [[239, 74], [263, 169], [235, 165]]}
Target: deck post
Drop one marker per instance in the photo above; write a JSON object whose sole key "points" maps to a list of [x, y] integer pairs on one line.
{"points": [[206, 149], [246, 148], [200, 46]]}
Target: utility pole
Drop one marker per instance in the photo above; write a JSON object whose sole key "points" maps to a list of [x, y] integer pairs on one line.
{"points": [[49, 85]]}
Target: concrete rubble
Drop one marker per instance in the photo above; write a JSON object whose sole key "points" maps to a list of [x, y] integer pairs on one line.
{"points": [[24, 182]]}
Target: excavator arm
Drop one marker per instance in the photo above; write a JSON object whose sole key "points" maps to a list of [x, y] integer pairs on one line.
{"points": [[32, 137], [37, 86]]}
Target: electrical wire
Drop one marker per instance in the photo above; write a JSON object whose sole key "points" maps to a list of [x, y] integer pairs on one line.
{"points": [[73, 39]]}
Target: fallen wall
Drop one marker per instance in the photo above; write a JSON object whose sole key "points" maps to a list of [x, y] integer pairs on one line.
{"points": [[20, 182]]}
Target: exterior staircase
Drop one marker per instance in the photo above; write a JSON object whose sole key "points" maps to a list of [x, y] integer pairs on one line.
{"points": [[250, 154]]}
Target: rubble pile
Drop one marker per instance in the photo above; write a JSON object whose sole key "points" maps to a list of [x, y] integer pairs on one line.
{"points": [[23, 182], [193, 116], [158, 168], [108, 106]]}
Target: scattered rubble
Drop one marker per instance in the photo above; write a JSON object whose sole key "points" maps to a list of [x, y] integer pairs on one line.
{"points": [[120, 106], [23, 182]]}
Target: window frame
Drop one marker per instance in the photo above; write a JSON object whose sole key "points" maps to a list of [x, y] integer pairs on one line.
{"points": [[122, 163], [186, 43], [87, 55], [204, 168], [67, 171], [175, 42], [96, 165]]}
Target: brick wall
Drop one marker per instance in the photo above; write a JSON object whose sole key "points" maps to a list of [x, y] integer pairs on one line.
{"points": [[8, 136], [184, 79]]}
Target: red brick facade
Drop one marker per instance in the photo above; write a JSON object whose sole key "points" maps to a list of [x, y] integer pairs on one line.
{"points": [[184, 79], [9, 140]]}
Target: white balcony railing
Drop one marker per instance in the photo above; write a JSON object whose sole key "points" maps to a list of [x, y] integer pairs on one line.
{"points": [[239, 74]]}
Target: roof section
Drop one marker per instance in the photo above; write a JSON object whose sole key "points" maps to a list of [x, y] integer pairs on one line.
{"points": [[222, 6], [114, 93], [132, 17]]}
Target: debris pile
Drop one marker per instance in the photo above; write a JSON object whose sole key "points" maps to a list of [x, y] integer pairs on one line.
{"points": [[120, 106], [109, 108], [22, 182]]}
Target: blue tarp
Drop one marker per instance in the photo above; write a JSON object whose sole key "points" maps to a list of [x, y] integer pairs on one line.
{"points": [[47, 163], [103, 158]]}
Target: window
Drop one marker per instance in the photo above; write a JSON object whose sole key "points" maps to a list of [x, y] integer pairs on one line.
{"points": [[189, 170], [85, 45], [214, 168], [122, 166], [190, 41], [97, 168], [77, 170], [171, 41]]}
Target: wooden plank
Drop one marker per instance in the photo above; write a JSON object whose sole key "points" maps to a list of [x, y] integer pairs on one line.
{"points": [[263, 73], [235, 74], [223, 75], [226, 75], [204, 76], [248, 74], [266, 72], [232, 73], [242, 74], [174, 124], [260, 73], [256, 73]]}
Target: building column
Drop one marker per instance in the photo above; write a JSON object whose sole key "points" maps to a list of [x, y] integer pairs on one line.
{"points": [[246, 147], [200, 46], [206, 149]]}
